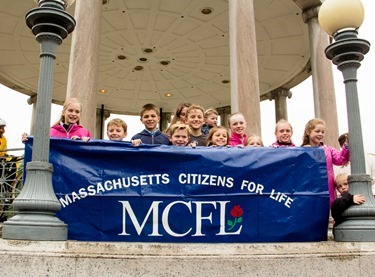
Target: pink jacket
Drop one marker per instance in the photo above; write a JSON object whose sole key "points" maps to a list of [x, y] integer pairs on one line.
{"points": [[334, 157], [58, 131], [236, 139]]}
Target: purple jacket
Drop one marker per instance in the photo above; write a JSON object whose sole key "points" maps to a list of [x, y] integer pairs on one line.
{"points": [[58, 131], [236, 139], [334, 157]]}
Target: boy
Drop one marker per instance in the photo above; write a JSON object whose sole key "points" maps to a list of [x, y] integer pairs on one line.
{"points": [[194, 117], [150, 118], [345, 201], [179, 134], [117, 129], [210, 120], [3, 140]]}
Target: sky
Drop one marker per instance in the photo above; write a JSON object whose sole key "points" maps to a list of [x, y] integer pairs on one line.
{"points": [[17, 113]]}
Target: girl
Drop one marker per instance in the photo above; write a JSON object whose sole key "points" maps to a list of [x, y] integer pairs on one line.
{"points": [[313, 136], [237, 125], [254, 141], [218, 136], [179, 134], [283, 133], [179, 115], [68, 124]]}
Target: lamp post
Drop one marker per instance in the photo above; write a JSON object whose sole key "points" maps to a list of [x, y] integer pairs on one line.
{"points": [[341, 19], [37, 202]]}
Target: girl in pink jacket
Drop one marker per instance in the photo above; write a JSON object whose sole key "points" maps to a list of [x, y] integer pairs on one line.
{"points": [[68, 124], [313, 136]]}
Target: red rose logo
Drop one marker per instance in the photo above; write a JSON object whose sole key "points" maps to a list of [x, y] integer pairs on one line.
{"points": [[237, 213]]}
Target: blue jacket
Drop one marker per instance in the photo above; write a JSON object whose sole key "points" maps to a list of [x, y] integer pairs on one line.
{"points": [[152, 138]]}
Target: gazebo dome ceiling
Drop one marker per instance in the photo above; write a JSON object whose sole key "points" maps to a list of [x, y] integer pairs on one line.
{"points": [[163, 52]]}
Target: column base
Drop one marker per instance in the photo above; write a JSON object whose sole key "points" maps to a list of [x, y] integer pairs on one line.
{"points": [[361, 230], [40, 227]]}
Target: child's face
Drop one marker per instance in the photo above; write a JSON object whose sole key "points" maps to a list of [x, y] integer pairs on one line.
{"points": [[238, 124], [183, 114], [316, 136], [342, 185], [72, 113], [254, 142], [115, 132], [220, 138], [195, 119], [150, 119], [284, 133], [211, 120], [2, 130], [180, 137]]}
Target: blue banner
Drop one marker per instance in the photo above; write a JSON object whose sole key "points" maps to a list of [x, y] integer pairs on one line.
{"points": [[112, 191]]}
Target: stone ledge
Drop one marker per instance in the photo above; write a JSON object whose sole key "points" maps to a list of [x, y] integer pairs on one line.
{"points": [[72, 258]]}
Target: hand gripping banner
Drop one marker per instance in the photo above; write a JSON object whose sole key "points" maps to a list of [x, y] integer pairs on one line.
{"points": [[112, 191]]}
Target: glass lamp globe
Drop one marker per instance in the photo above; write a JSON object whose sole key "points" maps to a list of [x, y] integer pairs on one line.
{"points": [[336, 15]]}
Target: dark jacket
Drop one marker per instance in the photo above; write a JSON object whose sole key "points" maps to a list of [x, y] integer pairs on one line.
{"points": [[339, 206], [152, 138]]}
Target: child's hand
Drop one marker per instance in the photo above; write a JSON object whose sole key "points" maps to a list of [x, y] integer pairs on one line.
{"points": [[24, 137], [85, 139], [193, 144], [75, 137], [136, 142], [358, 199]]}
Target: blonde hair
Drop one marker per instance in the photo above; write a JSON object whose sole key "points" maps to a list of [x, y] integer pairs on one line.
{"points": [[213, 131], [310, 125], [283, 121], [254, 137], [118, 122], [67, 102], [209, 112], [339, 177], [194, 107], [233, 115], [178, 126]]}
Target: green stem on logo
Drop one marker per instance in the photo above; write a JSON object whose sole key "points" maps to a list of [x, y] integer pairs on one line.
{"points": [[234, 224]]}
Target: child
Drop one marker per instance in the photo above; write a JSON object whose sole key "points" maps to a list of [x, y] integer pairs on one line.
{"points": [[194, 115], [210, 120], [345, 201], [218, 136], [283, 133], [179, 134], [313, 136], [117, 129], [150, 118], [68, 124], [237, 125], [179, 115], [3, 140], [254, 141]]}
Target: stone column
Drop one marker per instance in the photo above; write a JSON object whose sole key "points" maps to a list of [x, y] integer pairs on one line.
{"points": [[84, 59], [244, 63], [224, 113], [165, 120], [101, 116], [32, 101], [322, 77], [280, 95]]}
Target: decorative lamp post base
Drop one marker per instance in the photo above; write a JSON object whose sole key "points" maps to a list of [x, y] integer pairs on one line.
{"points": [[347, 52], [356, 229]]}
